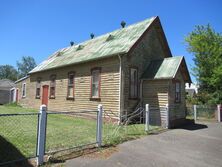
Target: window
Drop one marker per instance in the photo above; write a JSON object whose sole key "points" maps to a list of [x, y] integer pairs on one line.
{"points": [[71, 83], [38, 88], [133, 83], [95, 83], [177, 91], [23, 89], [52, 86]]}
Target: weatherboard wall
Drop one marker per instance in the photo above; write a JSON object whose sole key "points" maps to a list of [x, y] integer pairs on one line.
{"points": [[155, 93], [109, 87], [177, 109], [148, 49]]}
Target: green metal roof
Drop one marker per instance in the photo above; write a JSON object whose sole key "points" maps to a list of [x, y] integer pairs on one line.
{"points": [[116, 42], [163, 69]]}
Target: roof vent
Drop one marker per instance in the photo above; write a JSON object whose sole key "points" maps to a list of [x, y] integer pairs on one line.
{"points": [[80, 47], [71, 43], [110, 37], [92, 35], [58, 54], [123, 24]]}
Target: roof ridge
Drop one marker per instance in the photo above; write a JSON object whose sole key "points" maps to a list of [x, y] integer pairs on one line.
{"points": [[110, 33], [97, 47]]}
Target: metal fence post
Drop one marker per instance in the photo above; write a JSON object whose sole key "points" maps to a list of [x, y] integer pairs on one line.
{"points": [[99, 125], [195, 112], [41, 135], [218, 112], [167, 116], [147, 123]]}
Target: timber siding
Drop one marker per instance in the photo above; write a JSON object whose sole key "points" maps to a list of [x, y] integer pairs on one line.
{"points": [[109, 87], [155, 93], [177, 109], [148, 49]]}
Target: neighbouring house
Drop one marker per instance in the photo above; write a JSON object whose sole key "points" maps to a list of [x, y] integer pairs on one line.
{"points": [[191, 89], [122, 70], [7, 94]]}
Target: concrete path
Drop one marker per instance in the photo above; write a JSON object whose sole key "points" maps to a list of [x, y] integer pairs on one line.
{"points": [[192, 146]]}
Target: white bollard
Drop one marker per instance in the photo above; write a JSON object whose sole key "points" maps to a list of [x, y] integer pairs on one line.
{"points": [[195, 112], [99, 125], [219, 112], [147, 123], [41, 135]]}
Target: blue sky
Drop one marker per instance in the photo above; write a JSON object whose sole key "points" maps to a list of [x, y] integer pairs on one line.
{"points": [[38, 28]]}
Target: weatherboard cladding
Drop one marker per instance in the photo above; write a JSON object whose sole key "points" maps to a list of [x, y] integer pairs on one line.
{"points": [[163, 69], [100, 47]]}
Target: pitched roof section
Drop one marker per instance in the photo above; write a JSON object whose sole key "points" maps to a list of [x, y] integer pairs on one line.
{"points": [[165, 69], [102, 46], [6, 84]]}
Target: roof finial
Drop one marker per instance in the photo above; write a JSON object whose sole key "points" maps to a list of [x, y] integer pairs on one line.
{"points": [[92, 35], [123, 24], [71, 43]]}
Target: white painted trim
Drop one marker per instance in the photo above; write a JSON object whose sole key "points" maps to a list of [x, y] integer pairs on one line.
{"points": [[23, 89], [14, 95]]}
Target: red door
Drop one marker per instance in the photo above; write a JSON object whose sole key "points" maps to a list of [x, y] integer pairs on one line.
{"points": [[45, 91]]}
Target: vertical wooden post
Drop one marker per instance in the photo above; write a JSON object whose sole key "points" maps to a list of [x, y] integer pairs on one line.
{"points": [[41, 135], [219, 112], [147, 123], [99, 125], [195, 112]]}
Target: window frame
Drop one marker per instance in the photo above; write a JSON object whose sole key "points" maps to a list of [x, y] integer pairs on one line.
{"points": [[38, 86], [23, 90], [94, 98], [69, 85], [177, 94], [52, 77], [136, 87]]}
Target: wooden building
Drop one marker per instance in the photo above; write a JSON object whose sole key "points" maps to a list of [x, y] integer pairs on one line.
{"points": [[122, 70], [6, 91]]}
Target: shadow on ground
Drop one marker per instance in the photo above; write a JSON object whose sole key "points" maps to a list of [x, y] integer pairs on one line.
{"points": [[10, 155], [193, 126]]}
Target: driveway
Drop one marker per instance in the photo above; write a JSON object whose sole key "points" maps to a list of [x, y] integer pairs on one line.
{"points": [[199, 146]]}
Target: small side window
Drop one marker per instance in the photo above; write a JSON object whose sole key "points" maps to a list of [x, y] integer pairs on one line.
{"points": [[24, 90], [177, 92], [133, 83], [71, 84], [52, 86], [95, 83], [38, 88]]}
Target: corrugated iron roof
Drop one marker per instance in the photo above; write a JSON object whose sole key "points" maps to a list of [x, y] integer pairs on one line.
{"points": [[163, 69], [6, 84], [116, 42]]}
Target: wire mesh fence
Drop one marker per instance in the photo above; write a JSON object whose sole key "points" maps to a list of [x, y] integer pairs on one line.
{"points": [[132, 126], [66, 130], [202, 112], [18, 136]]}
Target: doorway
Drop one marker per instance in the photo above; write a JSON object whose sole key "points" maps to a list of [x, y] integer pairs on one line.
{"points": [[45, 90]]}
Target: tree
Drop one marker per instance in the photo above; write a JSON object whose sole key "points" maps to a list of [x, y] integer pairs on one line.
{"points": [[206, 46], [8, 72], [25, 65]]}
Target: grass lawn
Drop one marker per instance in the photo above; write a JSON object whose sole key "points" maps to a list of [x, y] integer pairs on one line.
{"points": [[18, 134]]}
